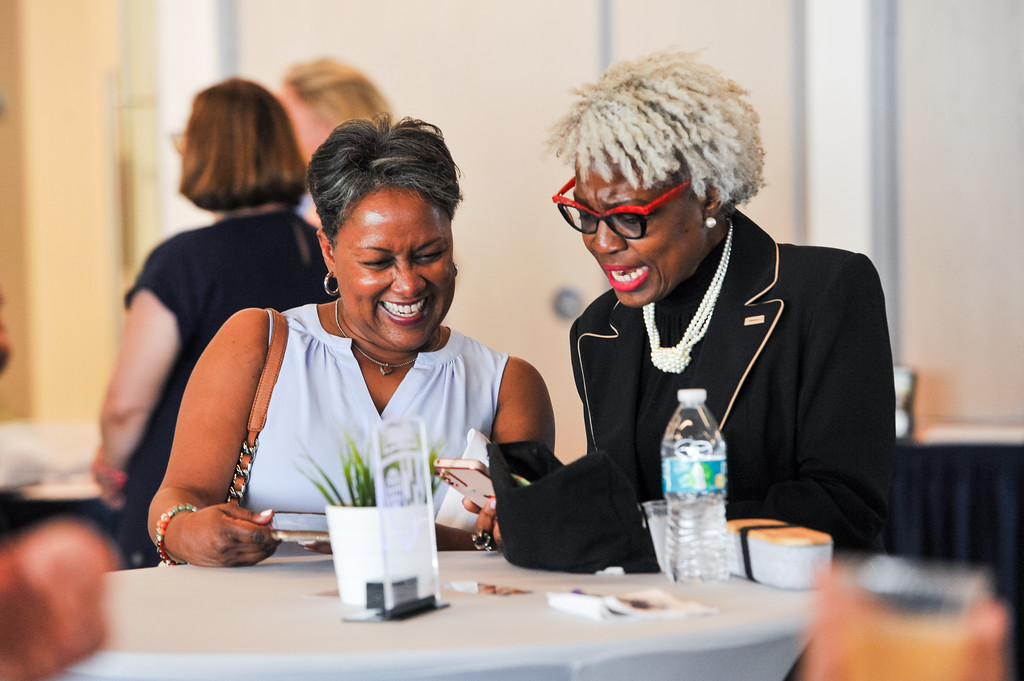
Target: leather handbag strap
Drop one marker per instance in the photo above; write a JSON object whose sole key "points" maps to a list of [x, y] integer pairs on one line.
{"points": [[271, 369], [260, 403]]}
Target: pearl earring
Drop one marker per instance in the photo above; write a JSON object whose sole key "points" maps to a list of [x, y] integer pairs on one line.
{"points": [[710, 223]]}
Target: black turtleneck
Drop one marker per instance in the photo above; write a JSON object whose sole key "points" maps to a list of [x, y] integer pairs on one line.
{"points": [[657, 394]]}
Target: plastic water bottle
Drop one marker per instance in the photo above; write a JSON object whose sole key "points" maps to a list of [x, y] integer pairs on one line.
{"points": [[693, 478]]}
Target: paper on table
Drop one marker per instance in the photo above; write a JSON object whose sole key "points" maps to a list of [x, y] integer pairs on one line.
{"points": [[637, 605], [478, 588]]}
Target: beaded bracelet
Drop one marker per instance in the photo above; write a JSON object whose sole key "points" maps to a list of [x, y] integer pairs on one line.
{"points": [[161, 528]]}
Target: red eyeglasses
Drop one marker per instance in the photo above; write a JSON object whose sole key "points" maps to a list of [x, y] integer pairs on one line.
{"points": [[629, 222]]}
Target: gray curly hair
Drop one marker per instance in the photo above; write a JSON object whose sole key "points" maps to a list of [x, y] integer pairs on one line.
{"points": [[661, 117]]}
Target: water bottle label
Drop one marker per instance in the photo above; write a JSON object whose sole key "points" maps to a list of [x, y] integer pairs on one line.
{"points": [[679, 476]]}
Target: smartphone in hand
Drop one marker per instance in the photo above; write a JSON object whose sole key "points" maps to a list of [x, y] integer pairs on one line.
{"points": [[468, 477], [300, 527]]}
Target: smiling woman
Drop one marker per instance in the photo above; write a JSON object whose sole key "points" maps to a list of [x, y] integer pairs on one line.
{"points": [[386, 194], [790, 342], [393, 263]]}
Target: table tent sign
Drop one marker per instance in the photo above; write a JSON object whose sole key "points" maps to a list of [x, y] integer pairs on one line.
{"points": [[409, 584]]}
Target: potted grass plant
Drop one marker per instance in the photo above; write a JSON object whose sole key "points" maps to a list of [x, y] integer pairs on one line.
{"points": [[353, 519], [358, 477]]}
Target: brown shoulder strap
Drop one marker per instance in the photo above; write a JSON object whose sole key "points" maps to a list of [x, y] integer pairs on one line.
{"points": [[271, 368], [260, 402]]}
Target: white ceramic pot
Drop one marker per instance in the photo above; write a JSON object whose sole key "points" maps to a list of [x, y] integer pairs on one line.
{"points": [[356, 545]]}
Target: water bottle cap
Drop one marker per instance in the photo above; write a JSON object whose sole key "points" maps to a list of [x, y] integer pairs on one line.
{"points": [[692, 395]]}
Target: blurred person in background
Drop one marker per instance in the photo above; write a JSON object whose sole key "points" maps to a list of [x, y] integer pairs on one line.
{"points": [[51, 599], [320, 95], [5, 352], [5, 342], [51, 591], [240, 161]]}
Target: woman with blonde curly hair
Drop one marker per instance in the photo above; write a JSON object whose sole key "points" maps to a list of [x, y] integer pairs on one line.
{"points": [[791, 342]]}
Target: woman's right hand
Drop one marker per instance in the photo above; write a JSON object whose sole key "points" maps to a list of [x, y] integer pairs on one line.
{"points": [[223, 535]]}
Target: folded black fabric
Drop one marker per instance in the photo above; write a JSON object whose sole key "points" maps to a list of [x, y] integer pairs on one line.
{"points": [[580, 517]]}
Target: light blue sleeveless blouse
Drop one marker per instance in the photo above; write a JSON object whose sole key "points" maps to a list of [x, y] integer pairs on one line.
{"points": [[320, 398]]}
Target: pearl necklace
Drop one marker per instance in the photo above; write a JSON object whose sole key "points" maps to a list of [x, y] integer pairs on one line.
{"points": [[385, 368], [675, 359]]}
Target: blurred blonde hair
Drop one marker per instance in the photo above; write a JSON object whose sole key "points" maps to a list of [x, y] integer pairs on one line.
{"points": [[335, 90], [663, 118]]}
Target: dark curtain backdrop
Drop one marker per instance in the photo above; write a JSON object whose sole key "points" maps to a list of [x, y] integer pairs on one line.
{"points": [[964, 503]]}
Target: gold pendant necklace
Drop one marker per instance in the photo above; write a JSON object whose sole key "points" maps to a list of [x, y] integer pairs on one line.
{"points": [[385, 368]]}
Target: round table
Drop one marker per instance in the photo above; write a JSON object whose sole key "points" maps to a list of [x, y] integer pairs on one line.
{"points": [[281, 619]]}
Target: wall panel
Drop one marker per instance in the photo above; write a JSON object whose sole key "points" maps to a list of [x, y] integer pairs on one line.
{"points": [[62, 114], [495, 77], [962, 105]]}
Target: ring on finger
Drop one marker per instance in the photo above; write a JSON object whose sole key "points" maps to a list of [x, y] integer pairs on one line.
{"points": [[484, 541]]}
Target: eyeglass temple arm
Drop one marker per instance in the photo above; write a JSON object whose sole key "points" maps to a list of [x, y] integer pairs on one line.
{"points": [[568, 185]]}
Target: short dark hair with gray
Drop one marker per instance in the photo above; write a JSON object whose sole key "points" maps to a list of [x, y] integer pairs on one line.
{"points": [[361, 157]]}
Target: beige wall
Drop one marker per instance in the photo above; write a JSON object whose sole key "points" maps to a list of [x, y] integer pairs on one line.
{"points": [[962, 207], [57, 224], [751, 43], [495, 77], [474, 69]]}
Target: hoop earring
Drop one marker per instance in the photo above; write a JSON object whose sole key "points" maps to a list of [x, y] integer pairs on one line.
{"points": [[456, 269], [710, 223], [327, 285]]}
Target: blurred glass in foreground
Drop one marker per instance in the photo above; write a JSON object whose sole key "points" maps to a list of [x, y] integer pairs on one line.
{"points": [[885, 618]]}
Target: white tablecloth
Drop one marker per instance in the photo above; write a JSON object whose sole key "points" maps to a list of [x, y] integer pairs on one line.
{"points": [[272, 621]]}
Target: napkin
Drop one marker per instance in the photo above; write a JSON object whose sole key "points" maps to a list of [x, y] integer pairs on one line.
{"points": [[638, 605]]}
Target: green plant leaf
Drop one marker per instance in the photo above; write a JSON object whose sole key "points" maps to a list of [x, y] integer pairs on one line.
{"points": [[322, 481], [359, 480]]}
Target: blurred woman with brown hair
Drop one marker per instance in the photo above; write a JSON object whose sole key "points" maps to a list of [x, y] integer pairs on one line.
{"points": [[241, 161]]}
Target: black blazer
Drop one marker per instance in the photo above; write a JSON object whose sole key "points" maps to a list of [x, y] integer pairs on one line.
{"points": [[798, 369]]}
